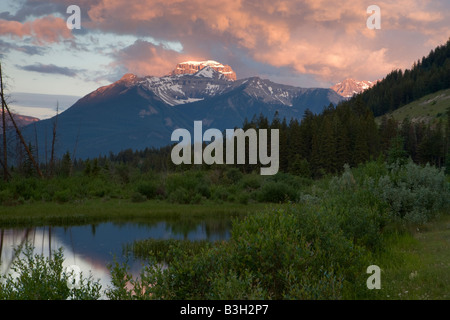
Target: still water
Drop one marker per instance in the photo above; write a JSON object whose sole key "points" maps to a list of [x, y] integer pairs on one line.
{"points": [[93, 247]]}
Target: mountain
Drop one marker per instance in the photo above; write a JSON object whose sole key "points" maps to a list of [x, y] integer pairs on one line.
{"points": [[349, 87], [20, 120], [140, 112], [192, 67]]}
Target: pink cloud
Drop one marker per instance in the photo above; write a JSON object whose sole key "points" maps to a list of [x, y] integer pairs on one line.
{"points": [[327, 39], [144, 58], [48, 29]]}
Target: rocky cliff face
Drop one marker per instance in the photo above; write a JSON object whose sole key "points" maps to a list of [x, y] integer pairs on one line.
{"points": [[192, 67]]}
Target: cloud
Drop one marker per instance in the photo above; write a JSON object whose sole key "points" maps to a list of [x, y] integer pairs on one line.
{"points": [[323, 38], [50, 68], [327, 40], [145, 58], [27, 49], [44, 30]]}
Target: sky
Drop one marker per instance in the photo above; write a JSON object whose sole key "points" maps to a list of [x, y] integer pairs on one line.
{"points": [[309, 43]]}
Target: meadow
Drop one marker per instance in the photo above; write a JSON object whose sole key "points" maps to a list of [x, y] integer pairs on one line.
{"points": [[295, 238]]}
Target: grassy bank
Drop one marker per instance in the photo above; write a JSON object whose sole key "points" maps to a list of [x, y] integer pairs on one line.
{"points": [[100, 210], [416, 264]]}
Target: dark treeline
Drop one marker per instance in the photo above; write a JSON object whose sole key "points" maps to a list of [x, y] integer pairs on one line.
{"points": [[320, 144], [317, 145], [398, 88]]}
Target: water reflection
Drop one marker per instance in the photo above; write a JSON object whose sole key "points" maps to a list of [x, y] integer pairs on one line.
{"points": [[93, 247]]}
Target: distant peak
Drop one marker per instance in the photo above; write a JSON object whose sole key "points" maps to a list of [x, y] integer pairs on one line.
{"points": [[349, 87]]}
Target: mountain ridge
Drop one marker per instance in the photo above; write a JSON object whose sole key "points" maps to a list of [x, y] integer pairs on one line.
{"points": [[138, 112]]}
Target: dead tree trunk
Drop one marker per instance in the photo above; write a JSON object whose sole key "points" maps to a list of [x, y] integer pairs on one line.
{"points": [[22, 140], [52, 156], [5, 154]]}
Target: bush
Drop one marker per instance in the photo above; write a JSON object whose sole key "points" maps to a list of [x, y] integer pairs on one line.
{"points": [[277, 192], [137, 197], [41, 278], [243, 198], [234, 175], [61, 196], [179, 195], [415, 194], [409, 193], [292, 254], [148, 189], [6, 197], [251, 182], [220, 193], [25, 187]]}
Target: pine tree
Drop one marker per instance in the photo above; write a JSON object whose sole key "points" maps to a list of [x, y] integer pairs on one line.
{"points": [[66, 165], [361, 151], [397, 153]]}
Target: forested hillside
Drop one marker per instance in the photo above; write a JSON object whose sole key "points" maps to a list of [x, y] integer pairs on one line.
{"points": [[427, 75]]}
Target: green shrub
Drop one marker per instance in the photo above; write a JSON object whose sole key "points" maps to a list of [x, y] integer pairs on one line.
{"points": [[277, 192], [251, 181], [179, 195], [277, 254], [414, 193], [203, 190], [234, 175], [220, 193], [243, 198], [148, 189], [62, 196], [6, 197], [42, 278], [409, 193], [186, 180], [25, 187], [137, 197]]}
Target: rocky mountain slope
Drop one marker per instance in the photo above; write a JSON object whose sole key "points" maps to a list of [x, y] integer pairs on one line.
{"points": [[139, 112]]}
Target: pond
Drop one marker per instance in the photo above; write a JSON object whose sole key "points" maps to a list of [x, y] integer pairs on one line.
{"points": [[92, 247]]}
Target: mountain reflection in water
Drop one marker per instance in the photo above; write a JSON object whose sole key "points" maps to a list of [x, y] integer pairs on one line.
{"points": [[93, 247]]}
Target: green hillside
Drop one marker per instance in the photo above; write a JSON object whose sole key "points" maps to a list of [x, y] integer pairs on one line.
{"points": [[401, 87], [425, 109]]}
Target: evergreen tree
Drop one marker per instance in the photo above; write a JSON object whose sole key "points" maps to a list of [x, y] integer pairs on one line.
{"points": [[66, 165], [397, 153]]}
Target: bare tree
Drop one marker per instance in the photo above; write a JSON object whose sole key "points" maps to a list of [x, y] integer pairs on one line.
{"points": [[52, 155], [22, 140], [5, 154]]}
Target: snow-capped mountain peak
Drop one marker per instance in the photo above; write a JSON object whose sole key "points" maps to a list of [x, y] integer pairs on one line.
{"points": [[349, 87]]}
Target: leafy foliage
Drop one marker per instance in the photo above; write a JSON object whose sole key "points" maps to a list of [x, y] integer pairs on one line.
{"points": [[37, 277]]}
